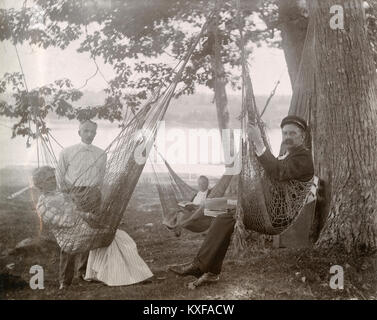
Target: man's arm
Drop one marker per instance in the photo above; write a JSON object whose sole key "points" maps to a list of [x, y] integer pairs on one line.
{"points": [[296, 167]]}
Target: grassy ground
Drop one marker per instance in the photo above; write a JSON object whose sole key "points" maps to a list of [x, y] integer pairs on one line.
{"points": [[262, 273]]}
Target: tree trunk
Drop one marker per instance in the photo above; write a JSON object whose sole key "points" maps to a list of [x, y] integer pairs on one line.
{"points": [[303, 104], [293, 26], [221, 99], [344, 125]]}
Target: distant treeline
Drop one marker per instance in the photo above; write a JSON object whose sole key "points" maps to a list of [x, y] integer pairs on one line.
{"points": [[199, 111]]}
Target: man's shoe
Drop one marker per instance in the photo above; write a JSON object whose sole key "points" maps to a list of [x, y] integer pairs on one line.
{"points": [[186, 270], [209, 277], [206, 278], [177, 230]]}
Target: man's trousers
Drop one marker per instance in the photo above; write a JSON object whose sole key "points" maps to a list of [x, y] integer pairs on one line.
{"points": [[213, 250], [71, 266]]}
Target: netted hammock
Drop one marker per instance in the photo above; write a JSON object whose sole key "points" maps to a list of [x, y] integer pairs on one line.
{"points": [[122, 169], [265, 205], [172, 189]]}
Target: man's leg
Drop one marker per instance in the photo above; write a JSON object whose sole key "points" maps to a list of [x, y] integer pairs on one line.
{"points": [[66, 268], [213, 250]]}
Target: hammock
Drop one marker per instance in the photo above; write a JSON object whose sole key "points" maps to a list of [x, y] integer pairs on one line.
{"points": [[172, 190], [123, 170], [265, 205]]}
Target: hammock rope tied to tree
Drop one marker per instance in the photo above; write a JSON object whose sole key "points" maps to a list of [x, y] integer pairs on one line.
{"points": [[265, 205]]}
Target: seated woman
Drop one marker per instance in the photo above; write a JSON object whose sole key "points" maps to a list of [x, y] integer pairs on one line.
{"points": [[115, 265]]}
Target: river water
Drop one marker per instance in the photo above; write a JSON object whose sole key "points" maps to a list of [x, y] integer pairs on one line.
{"points": [[205, 156]]}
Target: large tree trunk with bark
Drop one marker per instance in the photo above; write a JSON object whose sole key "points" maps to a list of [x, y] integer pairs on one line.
{"points": [[221, 99], [293, 25], [223, 118], [303, 104], [344, 122]]}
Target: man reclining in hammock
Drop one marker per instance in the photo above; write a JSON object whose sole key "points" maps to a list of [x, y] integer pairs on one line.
{"points": [[295, 164], [117, 264]]}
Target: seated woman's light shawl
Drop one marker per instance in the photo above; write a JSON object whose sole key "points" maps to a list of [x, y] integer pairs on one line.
{"points": [[72, 233]]}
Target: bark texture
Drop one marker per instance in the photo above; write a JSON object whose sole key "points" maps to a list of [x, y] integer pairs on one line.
{"points": [[293, 25], [221, 99], [344, 122]]}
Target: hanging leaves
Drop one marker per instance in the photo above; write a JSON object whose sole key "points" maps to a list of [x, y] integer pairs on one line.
{"points": [[141, 39]]}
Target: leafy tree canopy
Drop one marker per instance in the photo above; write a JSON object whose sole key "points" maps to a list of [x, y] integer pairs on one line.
{"points": [[135, 37], [131, 36]]}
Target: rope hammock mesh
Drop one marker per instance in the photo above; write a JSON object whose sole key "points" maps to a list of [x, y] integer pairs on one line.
{"points": [[122, 171], [264, 205], [172, 189]]}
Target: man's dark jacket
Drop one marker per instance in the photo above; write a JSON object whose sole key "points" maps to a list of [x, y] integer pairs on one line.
{"points": [[298, 165]]}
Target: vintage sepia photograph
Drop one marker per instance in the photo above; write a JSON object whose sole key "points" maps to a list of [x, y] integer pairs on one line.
{"points": [[216, 151]]}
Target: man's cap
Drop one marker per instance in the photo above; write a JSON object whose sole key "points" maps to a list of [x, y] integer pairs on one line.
{"points": [[299, 122], [40, 175]]}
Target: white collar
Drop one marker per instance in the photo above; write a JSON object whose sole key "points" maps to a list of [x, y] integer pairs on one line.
{"points": [[282, 157], [83, 144]]}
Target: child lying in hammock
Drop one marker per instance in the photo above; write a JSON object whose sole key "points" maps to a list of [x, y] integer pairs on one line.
{"points": [[77, 231], [193, 216], [190, 214]]}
